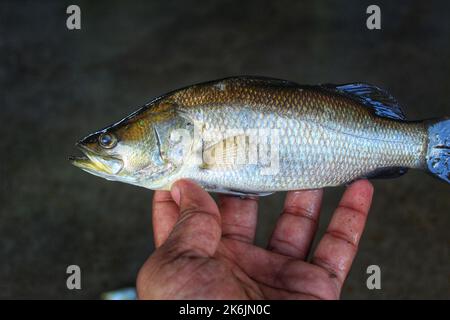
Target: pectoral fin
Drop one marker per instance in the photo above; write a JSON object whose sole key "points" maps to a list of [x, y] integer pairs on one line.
{"points": [[227, 153]]}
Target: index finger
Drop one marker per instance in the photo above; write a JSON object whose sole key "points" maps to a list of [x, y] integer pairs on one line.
{"points": [[164, 216], [239, 217]]}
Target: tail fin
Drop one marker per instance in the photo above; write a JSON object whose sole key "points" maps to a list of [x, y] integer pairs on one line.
{"points": [[438, 153]]}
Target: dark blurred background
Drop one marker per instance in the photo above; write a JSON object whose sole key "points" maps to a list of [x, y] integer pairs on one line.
{"points": [[58, 85]]}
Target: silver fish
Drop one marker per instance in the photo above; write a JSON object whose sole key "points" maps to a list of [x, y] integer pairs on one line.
{"points": [[256, 135]]}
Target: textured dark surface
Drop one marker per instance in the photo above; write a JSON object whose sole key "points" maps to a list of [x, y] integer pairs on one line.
{"points": [[58, 85]]}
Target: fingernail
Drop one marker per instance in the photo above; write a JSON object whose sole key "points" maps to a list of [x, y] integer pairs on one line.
{"points": [[176, 194]]}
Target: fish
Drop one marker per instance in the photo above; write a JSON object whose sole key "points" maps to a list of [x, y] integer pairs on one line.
{"points": [[252, 135]]}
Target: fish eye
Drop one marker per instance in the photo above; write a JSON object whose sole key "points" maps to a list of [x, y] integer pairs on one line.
{"points": [[107, 140]]}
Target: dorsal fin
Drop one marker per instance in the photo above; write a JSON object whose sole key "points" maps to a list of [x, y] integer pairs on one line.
{"points": [[381, 101]]}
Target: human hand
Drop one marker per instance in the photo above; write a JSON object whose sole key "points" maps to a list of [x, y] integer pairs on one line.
{"points": [[205, 250]]}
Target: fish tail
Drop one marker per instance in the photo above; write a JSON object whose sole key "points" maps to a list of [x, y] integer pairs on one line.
{"points": [[438, 151]]}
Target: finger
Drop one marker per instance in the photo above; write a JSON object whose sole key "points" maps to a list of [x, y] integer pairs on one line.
{"points": [[283, 274], [239, 217], [337, 249], [165, 214], [197, 231], [297, 224]]}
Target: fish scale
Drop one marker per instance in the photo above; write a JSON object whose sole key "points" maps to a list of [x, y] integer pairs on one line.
{"points": [[325, 140]]}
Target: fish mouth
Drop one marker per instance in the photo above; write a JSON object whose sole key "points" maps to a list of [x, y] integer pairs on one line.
{"points": [[96, 163]]}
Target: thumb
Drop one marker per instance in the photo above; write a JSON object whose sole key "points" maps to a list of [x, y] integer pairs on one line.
{"points": [[198, 229]]}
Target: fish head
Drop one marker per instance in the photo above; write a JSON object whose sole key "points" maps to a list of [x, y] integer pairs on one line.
{"points": [[137, 150]]}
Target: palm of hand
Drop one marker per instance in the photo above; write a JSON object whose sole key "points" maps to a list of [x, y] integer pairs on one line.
{"points": [[205, 251]]}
